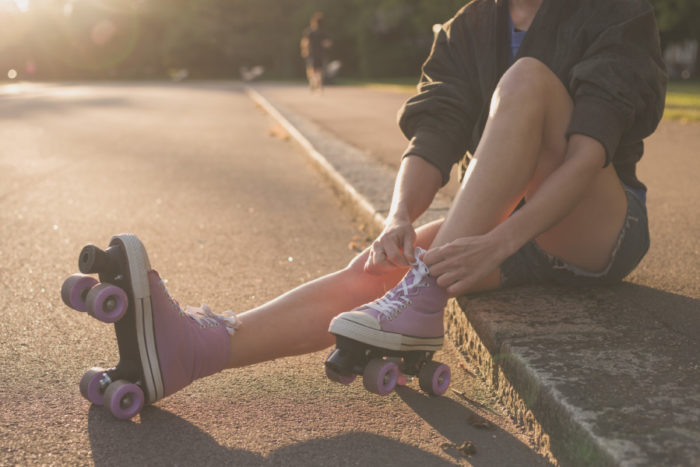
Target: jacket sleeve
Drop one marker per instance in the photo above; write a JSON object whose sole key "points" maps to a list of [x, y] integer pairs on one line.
{"points": [[619, 85], [438, 121]]}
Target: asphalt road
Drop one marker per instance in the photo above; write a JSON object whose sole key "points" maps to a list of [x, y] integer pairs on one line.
{"points": [[231, 216]]}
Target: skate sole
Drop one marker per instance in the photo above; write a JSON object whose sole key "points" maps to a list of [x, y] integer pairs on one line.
{"points": [[382, 339], [139, 265]]}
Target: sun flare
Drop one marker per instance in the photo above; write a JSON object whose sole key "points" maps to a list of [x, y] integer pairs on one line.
{"points": [[21, 5]]}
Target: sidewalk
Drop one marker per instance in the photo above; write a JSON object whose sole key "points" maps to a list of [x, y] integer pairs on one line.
{"points": [[604, 377]]}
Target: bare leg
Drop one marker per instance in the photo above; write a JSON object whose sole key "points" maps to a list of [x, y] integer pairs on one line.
{"points": [[319, 78], [297, 322], [311, 77], [523, 143]]}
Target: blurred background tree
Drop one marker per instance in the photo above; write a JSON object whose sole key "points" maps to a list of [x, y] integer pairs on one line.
{"points": [[67, 39], [679, 28], [153, 39]]}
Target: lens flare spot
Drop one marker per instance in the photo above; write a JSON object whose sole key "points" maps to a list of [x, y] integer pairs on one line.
{"points": [[12, 74]]}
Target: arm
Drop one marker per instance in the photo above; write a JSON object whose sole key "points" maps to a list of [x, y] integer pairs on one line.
{"points": [[437, 121], [619, 84], [416, 185]]}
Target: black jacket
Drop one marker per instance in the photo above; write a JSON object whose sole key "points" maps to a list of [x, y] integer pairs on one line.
{"points": [[605, 52]]}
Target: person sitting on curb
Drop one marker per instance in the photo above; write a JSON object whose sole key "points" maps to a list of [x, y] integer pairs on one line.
{"points": [[550, 99]]}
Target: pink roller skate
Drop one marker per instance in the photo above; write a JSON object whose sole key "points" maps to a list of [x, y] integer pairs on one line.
{"points": [[394, 335], [162, 348]]}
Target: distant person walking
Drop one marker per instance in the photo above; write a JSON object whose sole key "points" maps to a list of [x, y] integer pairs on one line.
{"points": [[314, 44]]}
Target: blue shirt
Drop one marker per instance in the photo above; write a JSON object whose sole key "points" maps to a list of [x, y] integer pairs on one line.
{"points": [[516, 38]]}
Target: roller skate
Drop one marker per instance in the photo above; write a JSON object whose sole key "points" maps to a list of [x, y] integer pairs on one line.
{"points": [[162, 348], [393, 336]]}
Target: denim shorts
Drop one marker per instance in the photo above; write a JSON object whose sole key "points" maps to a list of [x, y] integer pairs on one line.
{"points": [[531, 265]]}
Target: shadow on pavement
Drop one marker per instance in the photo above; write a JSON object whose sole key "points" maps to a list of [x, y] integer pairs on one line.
{"points": [[162, 438], [459, 424]]}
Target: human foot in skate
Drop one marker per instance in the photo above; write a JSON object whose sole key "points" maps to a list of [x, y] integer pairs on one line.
{"points": [[394, 335], [162, 348], [407, 317]]}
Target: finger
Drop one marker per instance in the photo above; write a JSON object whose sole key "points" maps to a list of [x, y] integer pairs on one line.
{"points": [[460, 287], [408, 251], [443, 266], [372, 254], [377, 269], [444, 280], [452, 276], [393, 254], [432, 256]]}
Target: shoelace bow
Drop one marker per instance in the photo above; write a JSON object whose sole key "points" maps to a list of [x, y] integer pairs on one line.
{"points": [[398, 298]]}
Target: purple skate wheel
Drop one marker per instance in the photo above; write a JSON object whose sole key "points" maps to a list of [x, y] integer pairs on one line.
{"points": [[124, 399], [380, 376], [434, 378], [107, 302], [75, 289], [338, 378], [90, 385]]}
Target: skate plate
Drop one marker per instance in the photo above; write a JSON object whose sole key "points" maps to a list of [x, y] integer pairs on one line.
{"points": [[382, 369]]}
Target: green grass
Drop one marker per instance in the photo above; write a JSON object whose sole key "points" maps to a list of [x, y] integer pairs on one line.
{"points": [[682, 99]]}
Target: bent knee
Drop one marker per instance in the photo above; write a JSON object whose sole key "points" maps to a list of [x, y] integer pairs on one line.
{"points": [[528, 79]]}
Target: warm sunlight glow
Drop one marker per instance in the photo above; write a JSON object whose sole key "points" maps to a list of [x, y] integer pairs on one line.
{"points": [[22, 5], [14, 5]]}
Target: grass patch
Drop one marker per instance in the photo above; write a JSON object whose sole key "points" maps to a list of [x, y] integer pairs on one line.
{"points": [[682, 99]]}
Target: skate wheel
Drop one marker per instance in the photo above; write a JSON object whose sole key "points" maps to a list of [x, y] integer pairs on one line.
{"points": [[338, 378], [380, 376], [107, 303], [434, 378], [123, 399], [90, 385], [75, 289]]}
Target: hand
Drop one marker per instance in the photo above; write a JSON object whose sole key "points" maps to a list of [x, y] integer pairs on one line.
{"points": [[393, 248], [462, 263]]}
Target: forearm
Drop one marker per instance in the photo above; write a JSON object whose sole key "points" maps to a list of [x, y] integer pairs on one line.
{"points": [[556, 197], [416, 185]]}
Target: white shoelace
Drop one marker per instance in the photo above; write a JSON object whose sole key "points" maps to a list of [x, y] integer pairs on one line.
{"points": [[397, 298], [207, 318], [228, 318]]}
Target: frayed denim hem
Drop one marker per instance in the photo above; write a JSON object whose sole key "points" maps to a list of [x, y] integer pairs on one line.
{"points": [[532, 265]]}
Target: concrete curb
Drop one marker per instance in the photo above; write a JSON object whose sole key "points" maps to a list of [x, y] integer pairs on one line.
{"points": [[594, 377]]}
